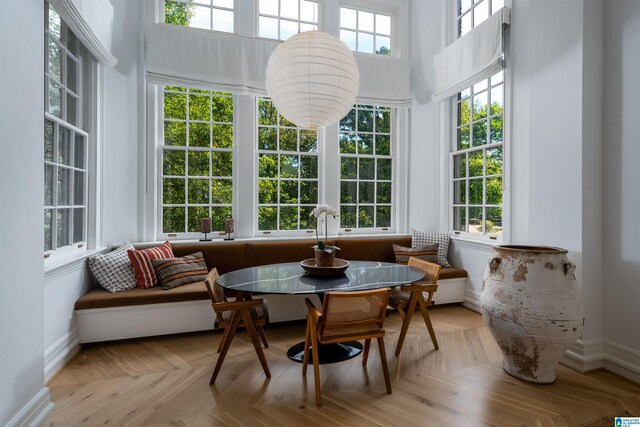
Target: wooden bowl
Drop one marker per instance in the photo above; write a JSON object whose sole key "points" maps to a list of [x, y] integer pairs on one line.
{"points": [[339, 267]]}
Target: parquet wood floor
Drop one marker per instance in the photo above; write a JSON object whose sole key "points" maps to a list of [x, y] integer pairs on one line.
{"points": [[165, 381]]}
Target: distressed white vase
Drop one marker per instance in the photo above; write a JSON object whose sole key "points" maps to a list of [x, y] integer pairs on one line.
{"points": [[530, 301]]}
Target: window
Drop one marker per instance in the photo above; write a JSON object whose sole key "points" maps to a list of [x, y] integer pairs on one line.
{"points": [[65, 142], [470, 13], [281, 19], [207, 14], [287, 172], [367, 32], [197, 160], [366, 168], [477, 155]]}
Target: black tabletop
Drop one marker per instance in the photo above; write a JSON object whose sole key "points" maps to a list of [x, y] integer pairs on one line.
{"points": [[290, 278]]}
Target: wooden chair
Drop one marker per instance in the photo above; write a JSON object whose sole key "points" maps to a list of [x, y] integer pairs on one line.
{"points": [[406, 299], [346, 316], [252, 314]]}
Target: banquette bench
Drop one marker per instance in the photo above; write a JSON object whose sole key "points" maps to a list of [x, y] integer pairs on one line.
{"points": [[104, 316]]}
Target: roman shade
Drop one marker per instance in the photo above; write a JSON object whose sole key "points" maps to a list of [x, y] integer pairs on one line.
{"points": [[92, 22], [191, 57], [474, 57]]}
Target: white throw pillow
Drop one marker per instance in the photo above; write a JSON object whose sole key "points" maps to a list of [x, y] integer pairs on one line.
{"points": [[113, 270], [420, 238]]}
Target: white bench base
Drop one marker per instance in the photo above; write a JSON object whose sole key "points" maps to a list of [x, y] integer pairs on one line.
{"points": [[117, 323]]}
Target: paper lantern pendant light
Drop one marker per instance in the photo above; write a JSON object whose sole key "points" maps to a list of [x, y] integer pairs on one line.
{"points": [[313, 79]]}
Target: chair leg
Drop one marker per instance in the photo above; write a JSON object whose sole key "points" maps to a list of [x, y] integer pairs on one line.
{"points": [[406, 322], [365, 353], [229, 334], [225, 334], [307, 343], [251, 328], [427, 321], [383, 360], [263, 337], [316, 364]]}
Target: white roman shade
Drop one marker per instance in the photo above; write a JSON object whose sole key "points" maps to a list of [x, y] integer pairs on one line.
{"points": [[92, 22], [472, 58], [184, 56]]}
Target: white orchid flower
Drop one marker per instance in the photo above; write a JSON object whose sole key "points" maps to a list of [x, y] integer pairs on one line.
{"points": [[321, 212]]}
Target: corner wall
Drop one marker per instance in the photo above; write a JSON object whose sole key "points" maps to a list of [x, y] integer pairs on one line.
{"points": [[424, 161], [23, 398], [621, 249]]}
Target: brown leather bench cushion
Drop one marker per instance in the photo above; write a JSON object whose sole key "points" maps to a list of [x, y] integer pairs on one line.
{"points": [[452, 273], [275, 252], [99, 298], [230, 256], [370, 248], [225, 256]]}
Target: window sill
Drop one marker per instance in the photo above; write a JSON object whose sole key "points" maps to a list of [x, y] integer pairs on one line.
{"points": [[62, 265], [474, 243]]}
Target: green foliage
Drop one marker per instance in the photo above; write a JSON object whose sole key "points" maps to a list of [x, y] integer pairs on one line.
{"points": [[177, 13], [293, 176], [383, 145], [365, 217], [208, 116], [349, 168], [222, 191], [384, 51], [348, 216]]}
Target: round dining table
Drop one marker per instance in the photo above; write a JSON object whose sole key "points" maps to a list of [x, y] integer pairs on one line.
{"points": [[290, 278]]}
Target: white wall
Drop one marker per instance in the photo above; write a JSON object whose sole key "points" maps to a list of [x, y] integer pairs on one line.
{"points": [[621, 285], [555, 147], [21, 212], [122, 117], [424, 162]]}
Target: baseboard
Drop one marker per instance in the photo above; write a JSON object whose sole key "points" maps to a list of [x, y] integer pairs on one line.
{"points": [[584, 356], [36, 413], [472, 300], [622, 360], [60, 353]]}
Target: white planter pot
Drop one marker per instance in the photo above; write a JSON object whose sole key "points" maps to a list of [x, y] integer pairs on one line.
{"points": [[530, 301]]}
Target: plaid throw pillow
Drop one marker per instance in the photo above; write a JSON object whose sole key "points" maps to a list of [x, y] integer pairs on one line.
{"points": [[174, 272], [420, 238], [113, 270], [427, 253], [141, 263]]}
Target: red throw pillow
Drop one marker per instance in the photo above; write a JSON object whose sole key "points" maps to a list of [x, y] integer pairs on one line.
{"points": [[141, 263]]}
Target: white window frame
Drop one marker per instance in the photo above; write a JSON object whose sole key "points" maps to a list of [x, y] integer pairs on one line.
{"points": [[392, 157], [213, 7], [375, 34], [245, 135], [448, 126], [299, 21], [88, 110], [279, 152], [185, 148]]}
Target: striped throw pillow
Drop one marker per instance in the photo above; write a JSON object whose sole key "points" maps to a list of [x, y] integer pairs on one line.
{"points": [[427, 253], [174, 272], [141, 263]]}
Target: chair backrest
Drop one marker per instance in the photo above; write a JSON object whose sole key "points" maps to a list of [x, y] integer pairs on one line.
{"points": [[354, 308], [431, 270], [216, 293]]}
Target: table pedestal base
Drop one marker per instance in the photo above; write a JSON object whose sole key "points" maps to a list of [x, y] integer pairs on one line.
{"points": [[329, 353]]}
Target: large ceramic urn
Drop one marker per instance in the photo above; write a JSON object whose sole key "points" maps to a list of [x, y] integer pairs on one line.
{"points": [[530, 301]]}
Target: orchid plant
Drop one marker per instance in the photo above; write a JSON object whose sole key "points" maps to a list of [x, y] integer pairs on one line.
{"points": [[321, 212]]}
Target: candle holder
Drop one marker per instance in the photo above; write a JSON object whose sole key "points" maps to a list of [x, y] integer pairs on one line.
{"points": [[228, 228], [205, 228]]}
